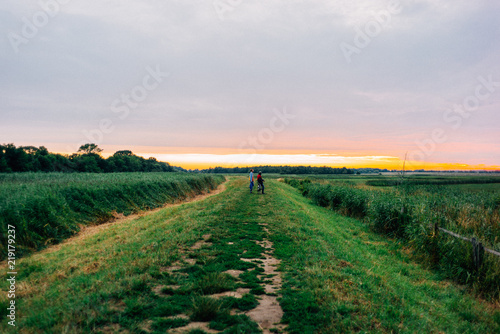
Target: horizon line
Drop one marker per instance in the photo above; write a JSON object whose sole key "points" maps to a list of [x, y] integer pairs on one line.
{"points": [[193, 158]]}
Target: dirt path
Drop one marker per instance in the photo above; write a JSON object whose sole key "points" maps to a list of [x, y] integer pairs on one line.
{"points": [[268, 313], [260, 278]]}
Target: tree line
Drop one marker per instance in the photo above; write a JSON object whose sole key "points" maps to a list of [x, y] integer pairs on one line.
{"points": [[87, 159], [282, 170]]}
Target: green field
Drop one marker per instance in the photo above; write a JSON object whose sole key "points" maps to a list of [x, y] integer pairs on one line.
{"points": [[49, 207], [413, 211], [168, 269]]}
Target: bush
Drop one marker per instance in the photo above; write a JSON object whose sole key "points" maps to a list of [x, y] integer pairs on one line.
{"points": [[320, 194], [302, 185], [389, 214], [346, 199], [354, 201]]}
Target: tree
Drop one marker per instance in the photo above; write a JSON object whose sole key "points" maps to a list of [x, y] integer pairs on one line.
{"points": [[89, 149], [17, 159], [42, 150], [88, 164], [29, 149], [87, 159], [4, 167], [46, 164], [124, 152]]}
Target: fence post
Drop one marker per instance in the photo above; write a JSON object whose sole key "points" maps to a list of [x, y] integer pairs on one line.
{"points": [[434, 244], [477, 253]]}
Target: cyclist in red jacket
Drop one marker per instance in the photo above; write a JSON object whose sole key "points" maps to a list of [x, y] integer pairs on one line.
{"points": [[260, 182]]}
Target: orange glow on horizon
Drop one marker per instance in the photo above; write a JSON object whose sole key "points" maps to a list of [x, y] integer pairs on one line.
{"points": [[200, 161], [421, 166], [209, 157]]}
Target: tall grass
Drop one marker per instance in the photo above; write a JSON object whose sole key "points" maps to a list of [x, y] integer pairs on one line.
{"points": [[434, 180], [409, 213], [47, 208]]}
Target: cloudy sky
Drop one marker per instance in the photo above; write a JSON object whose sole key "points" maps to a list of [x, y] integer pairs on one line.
{"points": [[215, 82]]}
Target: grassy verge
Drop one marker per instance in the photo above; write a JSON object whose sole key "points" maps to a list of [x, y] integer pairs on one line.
{"points": [[47, 208]]}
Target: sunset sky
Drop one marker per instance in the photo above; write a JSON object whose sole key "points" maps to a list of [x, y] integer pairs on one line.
{"points": [[220, 82]]}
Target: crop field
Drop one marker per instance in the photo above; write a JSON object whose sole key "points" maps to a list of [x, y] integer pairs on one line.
{"points": [[49, 207], [412, 212], [235, 262]]}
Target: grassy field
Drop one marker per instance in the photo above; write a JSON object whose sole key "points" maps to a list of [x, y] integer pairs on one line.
{"points": [[433, 180], [410, 211], [49, 207], [492, 187], [168, 269]]}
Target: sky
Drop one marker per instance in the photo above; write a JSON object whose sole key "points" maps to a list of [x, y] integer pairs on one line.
{"points": [[232, 82]]}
